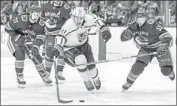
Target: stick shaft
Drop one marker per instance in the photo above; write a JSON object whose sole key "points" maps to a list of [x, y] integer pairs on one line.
{"points": [[128, 57]]}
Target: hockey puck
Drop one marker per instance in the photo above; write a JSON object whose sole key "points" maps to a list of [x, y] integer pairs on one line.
{"points": [[81, 101]]}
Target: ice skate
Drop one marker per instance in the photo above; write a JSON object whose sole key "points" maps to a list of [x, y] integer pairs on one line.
{"points": [[126, 86], [172, 76], [97, 82], [20, 80], [89, 85], [47, 81]]}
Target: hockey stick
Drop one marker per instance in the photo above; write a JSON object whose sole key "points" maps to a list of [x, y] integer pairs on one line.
{"points": [[58, 94], [105, 61], [57, 84]]}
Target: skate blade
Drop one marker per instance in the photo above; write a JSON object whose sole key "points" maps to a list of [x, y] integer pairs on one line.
{"points": [[61, 81], [46, 84], [21, 86], [123, 90]]}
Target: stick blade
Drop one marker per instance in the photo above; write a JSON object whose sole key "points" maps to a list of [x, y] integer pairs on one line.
{"points": [[64, 101]]}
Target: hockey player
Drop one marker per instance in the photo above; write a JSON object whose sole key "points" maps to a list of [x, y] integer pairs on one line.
{"points": [[150, 37], [55, 13], [23, 30], [73, 39]]}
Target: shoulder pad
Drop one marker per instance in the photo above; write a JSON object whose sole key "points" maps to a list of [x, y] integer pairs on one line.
{"points": [[67, 27]]}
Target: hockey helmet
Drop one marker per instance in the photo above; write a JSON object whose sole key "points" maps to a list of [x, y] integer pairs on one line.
{"points": [[152, 9], [78, 15], [35, 13]]}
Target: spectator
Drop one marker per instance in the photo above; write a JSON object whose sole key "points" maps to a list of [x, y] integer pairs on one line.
{"points": [[5, 13], [173, 9]]}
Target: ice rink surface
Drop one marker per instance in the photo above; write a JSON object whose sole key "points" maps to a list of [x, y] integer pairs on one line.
{"points": [[151, 88]]}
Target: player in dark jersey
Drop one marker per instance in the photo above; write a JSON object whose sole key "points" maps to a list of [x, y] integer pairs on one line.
{"points": [[150, 37], [26, 34], [55, 13]]}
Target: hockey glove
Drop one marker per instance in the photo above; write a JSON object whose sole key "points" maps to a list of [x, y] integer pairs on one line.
{"points": [[166, 39], [58, 51], [105, 33], [126, 35], [20, 31], [35, 50]]}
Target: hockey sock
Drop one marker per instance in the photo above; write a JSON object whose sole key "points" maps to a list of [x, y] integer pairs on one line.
{"points": [[136, 70], [60, 65], [40, 68], [48, 65], [84, 74], [131, 77], [19, 66]]}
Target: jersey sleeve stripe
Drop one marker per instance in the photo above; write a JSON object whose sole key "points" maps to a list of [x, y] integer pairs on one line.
{"points": [[70, 32], [90, 26], [63, 37], [164, 35], [100, 23], [8, 27], [52, 32]]}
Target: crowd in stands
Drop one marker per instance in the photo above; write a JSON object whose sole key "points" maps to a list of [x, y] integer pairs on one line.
{"points": [[113, 13]]}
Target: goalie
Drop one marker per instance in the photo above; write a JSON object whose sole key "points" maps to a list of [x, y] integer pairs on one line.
{"points": [[150, 37]]}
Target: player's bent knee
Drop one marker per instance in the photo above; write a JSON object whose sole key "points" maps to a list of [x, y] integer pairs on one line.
{"points": [[38, 59], [80, 59], [138, 67], [166, 70], [92, 66], [19, 55]]}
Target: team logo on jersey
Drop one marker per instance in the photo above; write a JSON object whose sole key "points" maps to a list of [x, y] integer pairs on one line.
{"points": [[141, 37], [29, 32], [52, 14], [82, 34]]}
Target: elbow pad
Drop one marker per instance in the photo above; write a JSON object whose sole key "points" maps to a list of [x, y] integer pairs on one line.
{"points": [[105, 33], [166, 38], [126, 35]]}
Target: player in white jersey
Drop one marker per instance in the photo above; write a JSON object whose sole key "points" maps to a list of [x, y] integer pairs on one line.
{"points": [[73, 40]]}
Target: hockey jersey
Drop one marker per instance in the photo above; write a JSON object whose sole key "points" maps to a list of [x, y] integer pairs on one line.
{"points": [[20, 24], [149, 35], [55, 17], [73, 36]]}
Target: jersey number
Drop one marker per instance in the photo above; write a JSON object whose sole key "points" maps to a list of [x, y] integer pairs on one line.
{"points": [[24, 18], [159, 28]]}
